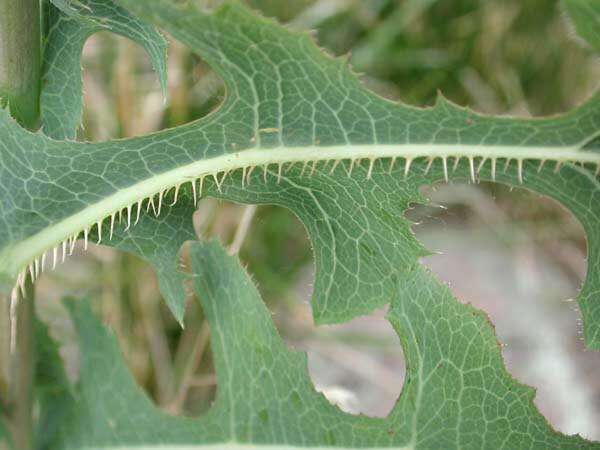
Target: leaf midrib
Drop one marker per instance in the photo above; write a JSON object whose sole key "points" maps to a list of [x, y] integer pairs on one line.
{"points": [[229, 446], [15, 259]]}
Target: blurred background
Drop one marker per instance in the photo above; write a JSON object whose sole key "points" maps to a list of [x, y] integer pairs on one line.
{"points": [[517, 256]]}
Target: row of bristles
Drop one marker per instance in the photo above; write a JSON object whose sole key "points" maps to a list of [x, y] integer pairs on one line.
{"points": [[67, 247]]}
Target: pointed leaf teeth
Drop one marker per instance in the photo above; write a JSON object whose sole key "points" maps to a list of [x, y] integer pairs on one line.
{"points": [[14, 300], [350, 166], [481, 164], [557, 166], [426, 154], [445, 168], [370, 170], [215, 177], [472, 169], [429, 164], [220, 183], [112, 225], [520, 170], [175, 195], [72, 241], [304, 165], [334, 166], [392, 163], [201, 188], [194, 192], [160, 197], [456, 162], [541, 165], [290, 165], [250, 170], [21, 281], [128, 217], [407, 167], [314, 167]]}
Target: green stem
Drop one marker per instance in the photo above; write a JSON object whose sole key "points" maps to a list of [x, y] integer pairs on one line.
{"points": [[20, 74], [20, 59], [22, 372]]}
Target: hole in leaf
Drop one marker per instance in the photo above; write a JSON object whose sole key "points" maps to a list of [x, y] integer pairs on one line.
{"points": [[521, 258], [122, 93], [124, 294], [278, 252], [358, 365]]}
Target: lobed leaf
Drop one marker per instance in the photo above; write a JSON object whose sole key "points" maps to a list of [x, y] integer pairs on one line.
{"points": [[53, 390], [157, 239], [298, 130], [456, 394], [70, 24], [288, 104]]}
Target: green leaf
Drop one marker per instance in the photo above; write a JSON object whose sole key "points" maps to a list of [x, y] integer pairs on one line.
{"points": [[457, 393], [298, 130], [156, 240], [586, 16], [70, 25], [53, 390], [289, 104]]}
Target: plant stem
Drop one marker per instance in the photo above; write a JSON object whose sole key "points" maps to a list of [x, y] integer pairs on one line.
{"points": [[20, 59], [20, 74], [22, 372], [4, 366]]}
